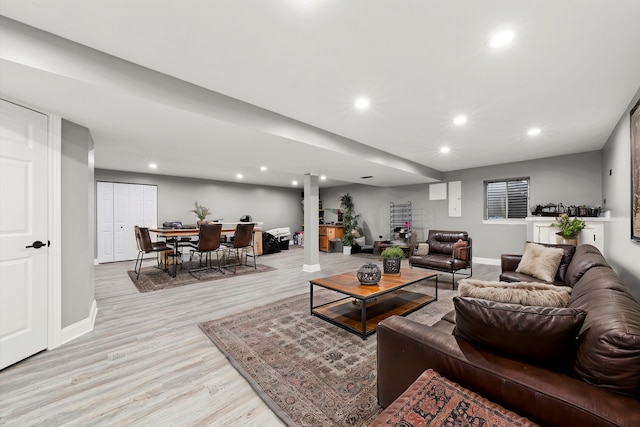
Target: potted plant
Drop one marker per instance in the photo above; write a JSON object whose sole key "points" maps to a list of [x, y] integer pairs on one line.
{"points": [[391, 260], [201, 212], [569, 229], [349, 221]]}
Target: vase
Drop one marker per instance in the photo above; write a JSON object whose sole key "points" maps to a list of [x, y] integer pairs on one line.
{"points": [[391, 266], [369, 274], [561, 240]]}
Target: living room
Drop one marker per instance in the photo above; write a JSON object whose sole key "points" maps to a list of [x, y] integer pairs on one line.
{"points": [[596, 175]]}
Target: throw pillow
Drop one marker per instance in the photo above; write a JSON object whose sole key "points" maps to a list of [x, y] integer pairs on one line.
{"points": [[422, 249], [360, 241], [460, 250], [540, 262], [543, 335], [525, 293]]}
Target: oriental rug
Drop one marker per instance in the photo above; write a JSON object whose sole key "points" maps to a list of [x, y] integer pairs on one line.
{"points": [[433, 400], [154, 279], [310, 372]]}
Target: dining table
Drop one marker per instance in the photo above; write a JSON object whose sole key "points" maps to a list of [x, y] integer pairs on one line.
{"points": [[179, 233]]}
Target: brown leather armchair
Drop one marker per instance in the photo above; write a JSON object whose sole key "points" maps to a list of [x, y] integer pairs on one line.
{"points": [[442, 255]]}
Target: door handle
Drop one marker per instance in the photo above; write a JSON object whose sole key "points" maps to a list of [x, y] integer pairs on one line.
{"points": [[38, 244]]}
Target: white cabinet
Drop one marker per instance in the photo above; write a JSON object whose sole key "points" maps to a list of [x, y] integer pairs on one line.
{"points": [[120, 207], [541, 231]]}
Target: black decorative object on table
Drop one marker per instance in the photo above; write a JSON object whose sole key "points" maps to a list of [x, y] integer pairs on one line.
{"points": [[369, 274]]}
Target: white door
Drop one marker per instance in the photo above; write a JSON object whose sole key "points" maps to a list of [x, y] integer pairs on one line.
{"points": [[150, 206], [104, 221], [120, 221], [23, 229]]}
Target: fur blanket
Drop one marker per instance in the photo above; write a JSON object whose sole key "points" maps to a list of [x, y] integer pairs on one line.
{"points": [[524, 293]]}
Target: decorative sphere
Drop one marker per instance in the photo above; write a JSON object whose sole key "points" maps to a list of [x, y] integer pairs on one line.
{"points": [[369, 274]]}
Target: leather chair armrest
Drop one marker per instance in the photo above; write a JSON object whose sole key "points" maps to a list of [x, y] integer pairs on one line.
{"points": [[407, 348], [509, 262]]}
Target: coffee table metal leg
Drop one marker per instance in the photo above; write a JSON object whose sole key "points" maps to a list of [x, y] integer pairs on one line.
{"points": [[363, 305], [311, 299]]}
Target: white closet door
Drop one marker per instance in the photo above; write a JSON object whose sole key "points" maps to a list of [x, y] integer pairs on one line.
{"points": [[120, 221], [104, 221], [150, 206], [136, 217], [120, 208]]}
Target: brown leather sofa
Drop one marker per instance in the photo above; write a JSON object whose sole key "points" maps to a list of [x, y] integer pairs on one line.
{"points": [[600, 386], [509, 264], [442, 256]]}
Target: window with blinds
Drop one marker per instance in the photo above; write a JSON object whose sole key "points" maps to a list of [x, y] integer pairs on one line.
{"points": [[507, 199]]}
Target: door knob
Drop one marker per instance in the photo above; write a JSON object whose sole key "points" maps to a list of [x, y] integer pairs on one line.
{"points": [[38, 244]]}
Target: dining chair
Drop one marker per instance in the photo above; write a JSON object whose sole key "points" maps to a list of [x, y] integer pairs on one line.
{"points": [[242, 242], [208, 242], [146, 246]]}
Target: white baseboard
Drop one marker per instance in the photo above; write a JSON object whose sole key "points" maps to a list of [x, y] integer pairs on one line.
{"points": [[489, 261], [82, 327], [311, 268]]}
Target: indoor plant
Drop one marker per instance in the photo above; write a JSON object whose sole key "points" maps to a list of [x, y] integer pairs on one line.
{"points": [[349, 221], [201, 212], [569, 228], [392, 259]]}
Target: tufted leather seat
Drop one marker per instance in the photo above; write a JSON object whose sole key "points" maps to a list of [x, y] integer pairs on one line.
{"points": [[441, 255]]}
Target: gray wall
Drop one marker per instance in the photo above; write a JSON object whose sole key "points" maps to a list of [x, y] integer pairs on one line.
{"points": [[78, 225], [622, 253], [574, 179], [274, 206]]}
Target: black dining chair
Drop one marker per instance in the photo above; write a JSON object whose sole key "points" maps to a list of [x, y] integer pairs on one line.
{"points": [[146, 246], [208, 242], [242, 243]]}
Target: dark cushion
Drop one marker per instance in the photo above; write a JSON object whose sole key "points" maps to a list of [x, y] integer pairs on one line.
{"points": [[586, 257], [543, 335], [609, 352], [441, 241]]}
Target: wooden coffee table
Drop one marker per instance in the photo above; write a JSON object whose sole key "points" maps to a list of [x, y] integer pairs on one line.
{"points": [[364, 306]]}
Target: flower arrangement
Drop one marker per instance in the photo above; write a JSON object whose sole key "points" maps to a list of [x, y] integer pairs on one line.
{"points": [[201, 211], [569, 228]]}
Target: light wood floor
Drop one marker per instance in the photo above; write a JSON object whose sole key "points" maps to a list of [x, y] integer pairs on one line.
{"points": [[148, 364]]}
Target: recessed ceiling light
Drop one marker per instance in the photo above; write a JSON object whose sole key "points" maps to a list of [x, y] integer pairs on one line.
{"points": [[294, 182], [263, 168], [460, 119], [362, 103], [445, 149], [239, 175], [153, 166], [323, 177], [501, 38], [533, 131]]}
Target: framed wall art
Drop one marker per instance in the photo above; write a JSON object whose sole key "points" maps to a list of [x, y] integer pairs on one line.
{"points": [[635, 172]]}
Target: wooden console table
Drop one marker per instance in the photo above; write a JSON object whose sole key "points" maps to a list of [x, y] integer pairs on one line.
{"points": [[328, 232]]}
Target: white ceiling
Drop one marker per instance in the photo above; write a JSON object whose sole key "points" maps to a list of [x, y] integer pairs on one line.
{"points": [[223, 87]]}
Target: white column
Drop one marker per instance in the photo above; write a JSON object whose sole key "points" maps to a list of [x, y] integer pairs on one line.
{"points": [[311, 228]]}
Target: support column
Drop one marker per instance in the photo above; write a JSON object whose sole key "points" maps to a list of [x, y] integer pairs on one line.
{"points": [[311, 228]]}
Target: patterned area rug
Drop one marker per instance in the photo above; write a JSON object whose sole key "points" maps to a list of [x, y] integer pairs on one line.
{"points": [[155, 279], [434, 400], [310, 372]]}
